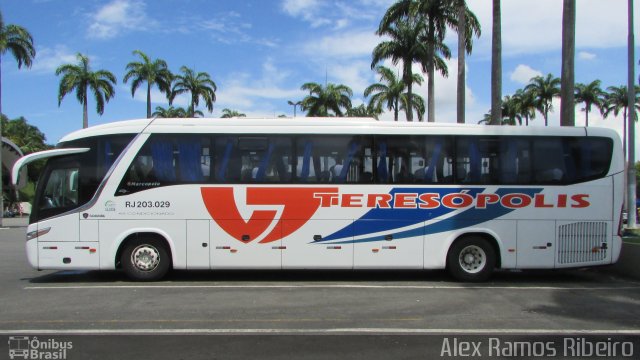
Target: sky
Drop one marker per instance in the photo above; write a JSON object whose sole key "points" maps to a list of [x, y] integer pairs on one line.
{"points": [[259, 53]]}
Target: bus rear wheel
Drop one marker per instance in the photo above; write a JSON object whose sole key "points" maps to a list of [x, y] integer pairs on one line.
{"points": [[471, 259], [145, 259]]}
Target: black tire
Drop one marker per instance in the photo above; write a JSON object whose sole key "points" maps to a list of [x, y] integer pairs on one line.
{"points": [[471, 259], [145, 259]]}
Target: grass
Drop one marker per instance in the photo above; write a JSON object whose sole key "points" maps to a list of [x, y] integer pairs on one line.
{"points": [[632, 236], [632, 240]]}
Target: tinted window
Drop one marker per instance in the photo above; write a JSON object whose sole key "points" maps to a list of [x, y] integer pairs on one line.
{"points": [[350, 159], [167, 160], [413, 159], [334, 159], [493, 160], [68, 182]]}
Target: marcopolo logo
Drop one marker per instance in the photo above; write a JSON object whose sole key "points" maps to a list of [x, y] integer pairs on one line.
{"points": [[25, 347]]}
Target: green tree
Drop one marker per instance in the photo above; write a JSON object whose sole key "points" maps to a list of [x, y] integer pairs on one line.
{"points": [[152, 72], [81, 79], [228, 113], [617, 99], [198, 85], [589, 94], [329, 100], [468, 24], [496, 64], [364, 111], [435, 16], [416, 104], [29, 139], [173, 112], [404, 45], [526, 105], [486, 119], [511, 111], [18, 41], [388, 91], [544, 89]]}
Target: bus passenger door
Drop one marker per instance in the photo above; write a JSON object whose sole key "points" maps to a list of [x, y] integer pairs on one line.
{"points": [[388, 249], [305, 248], [536, 244], [237, 244]]}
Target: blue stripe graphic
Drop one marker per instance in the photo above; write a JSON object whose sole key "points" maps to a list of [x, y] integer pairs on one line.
{"points": [[391, 219]]}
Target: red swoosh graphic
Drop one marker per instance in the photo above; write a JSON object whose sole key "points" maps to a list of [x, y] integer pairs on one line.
{"points": [[299, 205]]}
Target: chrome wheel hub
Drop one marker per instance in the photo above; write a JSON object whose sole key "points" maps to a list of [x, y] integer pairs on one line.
{"points": [[472, 259], [145, 257]]}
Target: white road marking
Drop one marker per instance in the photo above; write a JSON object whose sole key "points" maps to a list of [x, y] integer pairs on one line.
{"points": [[329, 286], [361, 331]]}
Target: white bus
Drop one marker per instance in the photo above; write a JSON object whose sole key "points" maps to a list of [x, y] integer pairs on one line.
{"points": [[148, 196]]}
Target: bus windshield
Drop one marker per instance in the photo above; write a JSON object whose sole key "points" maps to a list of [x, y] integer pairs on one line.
{"points": [[71, 181], [61, 189]]}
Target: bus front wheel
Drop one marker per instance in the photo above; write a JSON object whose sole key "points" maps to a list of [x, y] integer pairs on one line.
{"points": [[145, 259], [471, 259]]}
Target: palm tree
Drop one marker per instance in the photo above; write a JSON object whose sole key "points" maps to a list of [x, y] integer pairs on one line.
{"points": [[417, 104], [228, 113], [617, 99], [567, 106], [437, 16], [486, 119], [526, 105], [151, 72], [544, 89], [173, 112], [496, 65], [388, 91], [590, 94], [466, 25], [198, 85], [364, 111], [326, 101], [511, 111], [19, 43], [81, 79], [404, 45]]}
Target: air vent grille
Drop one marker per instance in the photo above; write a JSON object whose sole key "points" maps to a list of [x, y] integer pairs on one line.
{"points": [[582, 242]]}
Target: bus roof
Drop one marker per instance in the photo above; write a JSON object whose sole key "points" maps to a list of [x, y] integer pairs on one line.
{"points": [[321, 126]]}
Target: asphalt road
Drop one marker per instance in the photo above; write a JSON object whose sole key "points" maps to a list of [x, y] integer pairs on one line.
{"points": [[323, 314]]}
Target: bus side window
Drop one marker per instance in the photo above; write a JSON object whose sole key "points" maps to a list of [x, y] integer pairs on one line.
{"points": [[224, 148], [438, 164], [255, 159], [189, 160], [548, 160], [514, 161], [470, 164], [397, 159], [585, 158], [595, 157]]}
